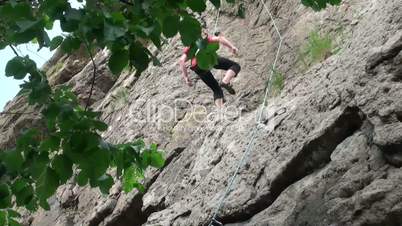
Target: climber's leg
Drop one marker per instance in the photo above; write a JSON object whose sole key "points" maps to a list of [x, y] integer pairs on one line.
{"points": [[210, 81], [232, 68]]}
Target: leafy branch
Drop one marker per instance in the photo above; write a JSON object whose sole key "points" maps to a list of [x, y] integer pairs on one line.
{"points": [[320, 4]]}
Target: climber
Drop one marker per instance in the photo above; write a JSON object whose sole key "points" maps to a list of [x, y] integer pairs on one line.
{"points": [[232, 69]]}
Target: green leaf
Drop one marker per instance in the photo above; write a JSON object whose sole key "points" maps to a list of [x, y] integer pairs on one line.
{"points": [[63, 167], [38, 165], [155, 60], [104, 183], [48, 22], [95, 162], [131, 178], [32, 205], [212, 47], [190, 30], [206, 60], [334, 2], [147, 31], [197, 5], [13, 213], [3, 218], [113, 31], [153, 158], [12, 222], [5, 196], [18, 67], [81, 179], [119, 161], [43, 39], [241, 12], [55, 8], [157, 160], [3, 44], [13, 160], [138, 57], [171, 26], [118, 61], [70, 44], [137, 146], [52, 143], [216, 3], [27, 140], [320, 4], [38, 90], [26, 25], [47, 184], [56, 41], [71, 20], [155, 35], [16, 11], [22, 191], [202, 43], [192, 52], [44, 204], [100, 126]]}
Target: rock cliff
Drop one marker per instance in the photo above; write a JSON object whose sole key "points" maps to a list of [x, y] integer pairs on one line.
{"points": [[328, 152]]}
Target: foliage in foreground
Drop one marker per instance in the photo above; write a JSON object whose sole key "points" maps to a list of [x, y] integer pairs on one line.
{"points": [[71, 146], [320, 4]]}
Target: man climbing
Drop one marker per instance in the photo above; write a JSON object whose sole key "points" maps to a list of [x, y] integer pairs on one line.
{"points": [[232, 69]]}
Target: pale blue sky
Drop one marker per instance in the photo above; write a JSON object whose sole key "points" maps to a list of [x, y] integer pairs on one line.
{"points": [[9, 87]]}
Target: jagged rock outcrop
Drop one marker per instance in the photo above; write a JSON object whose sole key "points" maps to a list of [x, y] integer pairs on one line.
{"points": [[328, 153]]}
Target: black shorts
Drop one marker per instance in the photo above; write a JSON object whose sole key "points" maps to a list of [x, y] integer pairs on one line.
{"points": [[208, 78]]}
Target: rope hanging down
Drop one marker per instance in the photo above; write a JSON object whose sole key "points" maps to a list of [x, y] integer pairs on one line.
{"points": [[250, 145], [216, 32]]}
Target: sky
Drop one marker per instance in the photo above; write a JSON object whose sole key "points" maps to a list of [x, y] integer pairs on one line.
{"points": [[9, 87]]}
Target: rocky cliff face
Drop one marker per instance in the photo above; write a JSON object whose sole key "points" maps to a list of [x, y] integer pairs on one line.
{"points": [[328, 152]]}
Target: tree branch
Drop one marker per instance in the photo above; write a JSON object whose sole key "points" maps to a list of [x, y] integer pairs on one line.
{"points": [[18, 113], [127, 2], [14, 50], [93, 75]]}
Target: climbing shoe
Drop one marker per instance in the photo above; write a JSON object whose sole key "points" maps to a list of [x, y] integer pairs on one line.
{"points": [[228, 87]]}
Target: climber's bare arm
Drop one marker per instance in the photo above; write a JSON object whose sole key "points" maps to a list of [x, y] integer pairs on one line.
{"points": [[182, 63], [222, 40]]}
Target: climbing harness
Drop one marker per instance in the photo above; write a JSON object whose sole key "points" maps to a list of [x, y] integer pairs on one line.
{"points": [[249, 147]]}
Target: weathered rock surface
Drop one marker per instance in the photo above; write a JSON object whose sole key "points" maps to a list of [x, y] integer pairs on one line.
{"points": [[328, 152]]}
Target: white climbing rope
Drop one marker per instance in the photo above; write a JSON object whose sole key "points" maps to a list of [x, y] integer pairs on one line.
{"points": [[218, 14], [35, 53], [250, 145]]}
